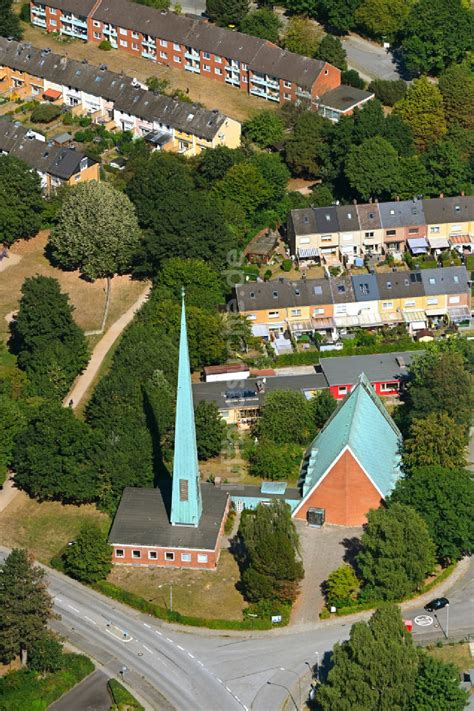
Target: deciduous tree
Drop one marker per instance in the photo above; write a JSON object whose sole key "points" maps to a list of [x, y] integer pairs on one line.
{"points": [[331, 50], [396, 554], [199, 279], [382, 19], [46, 654], [428, 50], [422, 109], [434, 440], [96, 232], [89, 559], [448, 171], [286, 418], [269, 460], [372, 169], [210, 430], [388, 91], [56, 456], [338, 15], [25, 605], [9, 21], [437, 686], [12, 423], [227, 12], [323, 406], [302, 36], [445, 500], [456, 85], [307, 149], [20, 200], [262, 23], [342, 586], [264, 128]]}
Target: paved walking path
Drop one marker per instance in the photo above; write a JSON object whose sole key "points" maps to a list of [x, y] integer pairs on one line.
{"points": [[84, 381]]}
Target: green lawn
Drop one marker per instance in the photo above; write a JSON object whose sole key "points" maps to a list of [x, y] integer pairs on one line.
{"points": [[122, 698], [26, 690], [457, 654], [45, 528]]}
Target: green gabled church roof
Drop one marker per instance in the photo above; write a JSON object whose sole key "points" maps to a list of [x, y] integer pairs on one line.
{"points": [[362, 424]]}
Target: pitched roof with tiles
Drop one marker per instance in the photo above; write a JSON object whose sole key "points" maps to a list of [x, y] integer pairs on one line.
{"points": [[122, 90], [362, 425]]}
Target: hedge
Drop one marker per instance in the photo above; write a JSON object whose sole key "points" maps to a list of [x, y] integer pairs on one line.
{"points": [[162, 613], [374, 604], [313, 357]]}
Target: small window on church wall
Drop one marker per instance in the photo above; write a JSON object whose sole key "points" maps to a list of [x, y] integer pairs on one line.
{"points": [[136, 554], [186, 557], [119, 552], [152, 555], [169, 556], [202, 558], [183, 490]]}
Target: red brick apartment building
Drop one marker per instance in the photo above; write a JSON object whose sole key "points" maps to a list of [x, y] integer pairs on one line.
{"points": [[248, 63]]}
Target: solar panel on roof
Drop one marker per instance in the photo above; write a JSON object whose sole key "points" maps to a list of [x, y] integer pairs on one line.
{"points": [[273, 487]]}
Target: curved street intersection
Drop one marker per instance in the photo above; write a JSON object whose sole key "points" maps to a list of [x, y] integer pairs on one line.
{"points": [[203, 669]]}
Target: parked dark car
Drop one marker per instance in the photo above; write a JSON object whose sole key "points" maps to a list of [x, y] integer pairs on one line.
{"points": [[437, 604]]}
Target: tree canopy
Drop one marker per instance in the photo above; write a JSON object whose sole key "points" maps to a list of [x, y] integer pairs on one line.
{"points": [[302, 36], [323, 406], [201, 282], [434, 440], [51, 348], [89, 559], [9, 21], [427, 49], [437, 686], [227, 12], [286, 418], [264, 128], [422, 109], [12, 423], [396, 553], [373, 169], [96, 231], [56, 456], [331, 50], [262, 23], [456, 85], [445, 500], [383, 19], [25, 605], [376, 668], [20, 200], [272, 569], [210, 430]]}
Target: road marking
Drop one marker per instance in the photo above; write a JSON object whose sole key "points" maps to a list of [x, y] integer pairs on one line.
{"points": [[170, 640], [90, 620], [423, 620], [219, 680], [190, 655], [73, 608], [121, 638], [230, 692], [180, 647], [59, 599], [160, 633], [145, 625], [147, 649], [201, 664]]}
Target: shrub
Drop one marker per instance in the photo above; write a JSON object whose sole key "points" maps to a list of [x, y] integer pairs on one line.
{"points": [[25, 12], [46, 654], [286, 265], [268, 273], [352, 78], [387, 91], [342, 586], [105, 45], [45, 113]]}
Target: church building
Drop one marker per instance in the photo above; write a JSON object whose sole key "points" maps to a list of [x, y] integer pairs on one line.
{"points": [[181, 528], [353, 463]]}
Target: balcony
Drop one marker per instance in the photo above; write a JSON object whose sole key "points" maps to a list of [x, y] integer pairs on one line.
{"points": [[193, 68], [258, 92], [234, 80], [192, 54], [273, 84], [111, 31], [149, 42], [75, 21], [38, 21], [256, 79], [73, 32], [37, 10], [149, 55]]}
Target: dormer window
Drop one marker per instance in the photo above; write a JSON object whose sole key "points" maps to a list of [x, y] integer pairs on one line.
{"points": [[457, 208], [341, 288], [275, 294], [252, 295], [371, 215], [349, 215], [389, 285], [305, 219], [328, 217]]}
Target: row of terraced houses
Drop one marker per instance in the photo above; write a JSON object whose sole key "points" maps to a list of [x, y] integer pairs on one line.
{"points": [[113, 99], [249, 63], [419, 299], [345, 232]]}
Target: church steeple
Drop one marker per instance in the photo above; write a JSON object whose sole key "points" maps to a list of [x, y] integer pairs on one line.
{"points": [[186, 503]]}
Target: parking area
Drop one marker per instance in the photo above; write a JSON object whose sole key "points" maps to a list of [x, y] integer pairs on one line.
{"points": [[323, 550]]}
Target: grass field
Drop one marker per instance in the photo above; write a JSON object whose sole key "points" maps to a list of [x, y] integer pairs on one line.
{"points": [[212, 94], [88, 299], [457, 654], [45, 528], [197, 593]]}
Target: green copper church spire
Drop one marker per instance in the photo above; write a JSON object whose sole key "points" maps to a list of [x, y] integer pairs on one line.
{"points": [[186, 503]]}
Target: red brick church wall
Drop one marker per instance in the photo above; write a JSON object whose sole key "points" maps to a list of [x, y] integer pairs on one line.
{"points": [[162, 560], [345, 493]]}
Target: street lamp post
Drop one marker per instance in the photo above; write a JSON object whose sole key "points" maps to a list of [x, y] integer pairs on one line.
{"points": [[282, 686], [447, 620], [170, 585], [297, 676]]}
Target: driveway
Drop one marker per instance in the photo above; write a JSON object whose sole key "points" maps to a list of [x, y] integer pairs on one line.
{"points": [[323, 550], [371, 60], [90, 694]]}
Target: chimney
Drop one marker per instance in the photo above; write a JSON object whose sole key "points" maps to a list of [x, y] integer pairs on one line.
{"points": [[441, 195]]}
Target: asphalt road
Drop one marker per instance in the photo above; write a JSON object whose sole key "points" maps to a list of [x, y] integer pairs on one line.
{"points": [[90, 695], [201, 669], [371, 60]]}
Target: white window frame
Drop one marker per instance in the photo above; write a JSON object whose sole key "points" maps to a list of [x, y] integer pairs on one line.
{"points": [[387, 387], [123, 43], [342, 389], [152, 555], [135, 35], [97, 35], [169, 555], [202, 558], [123, 31], [387, 305], [177, 59], [454, 299], [119, 553], [136, 554], [186, 557], [273, 314], [206, 67], [296, 312], [96, 23], [432, 301], [176, 46], [218, 71], [409, 304], [434, 230]]}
